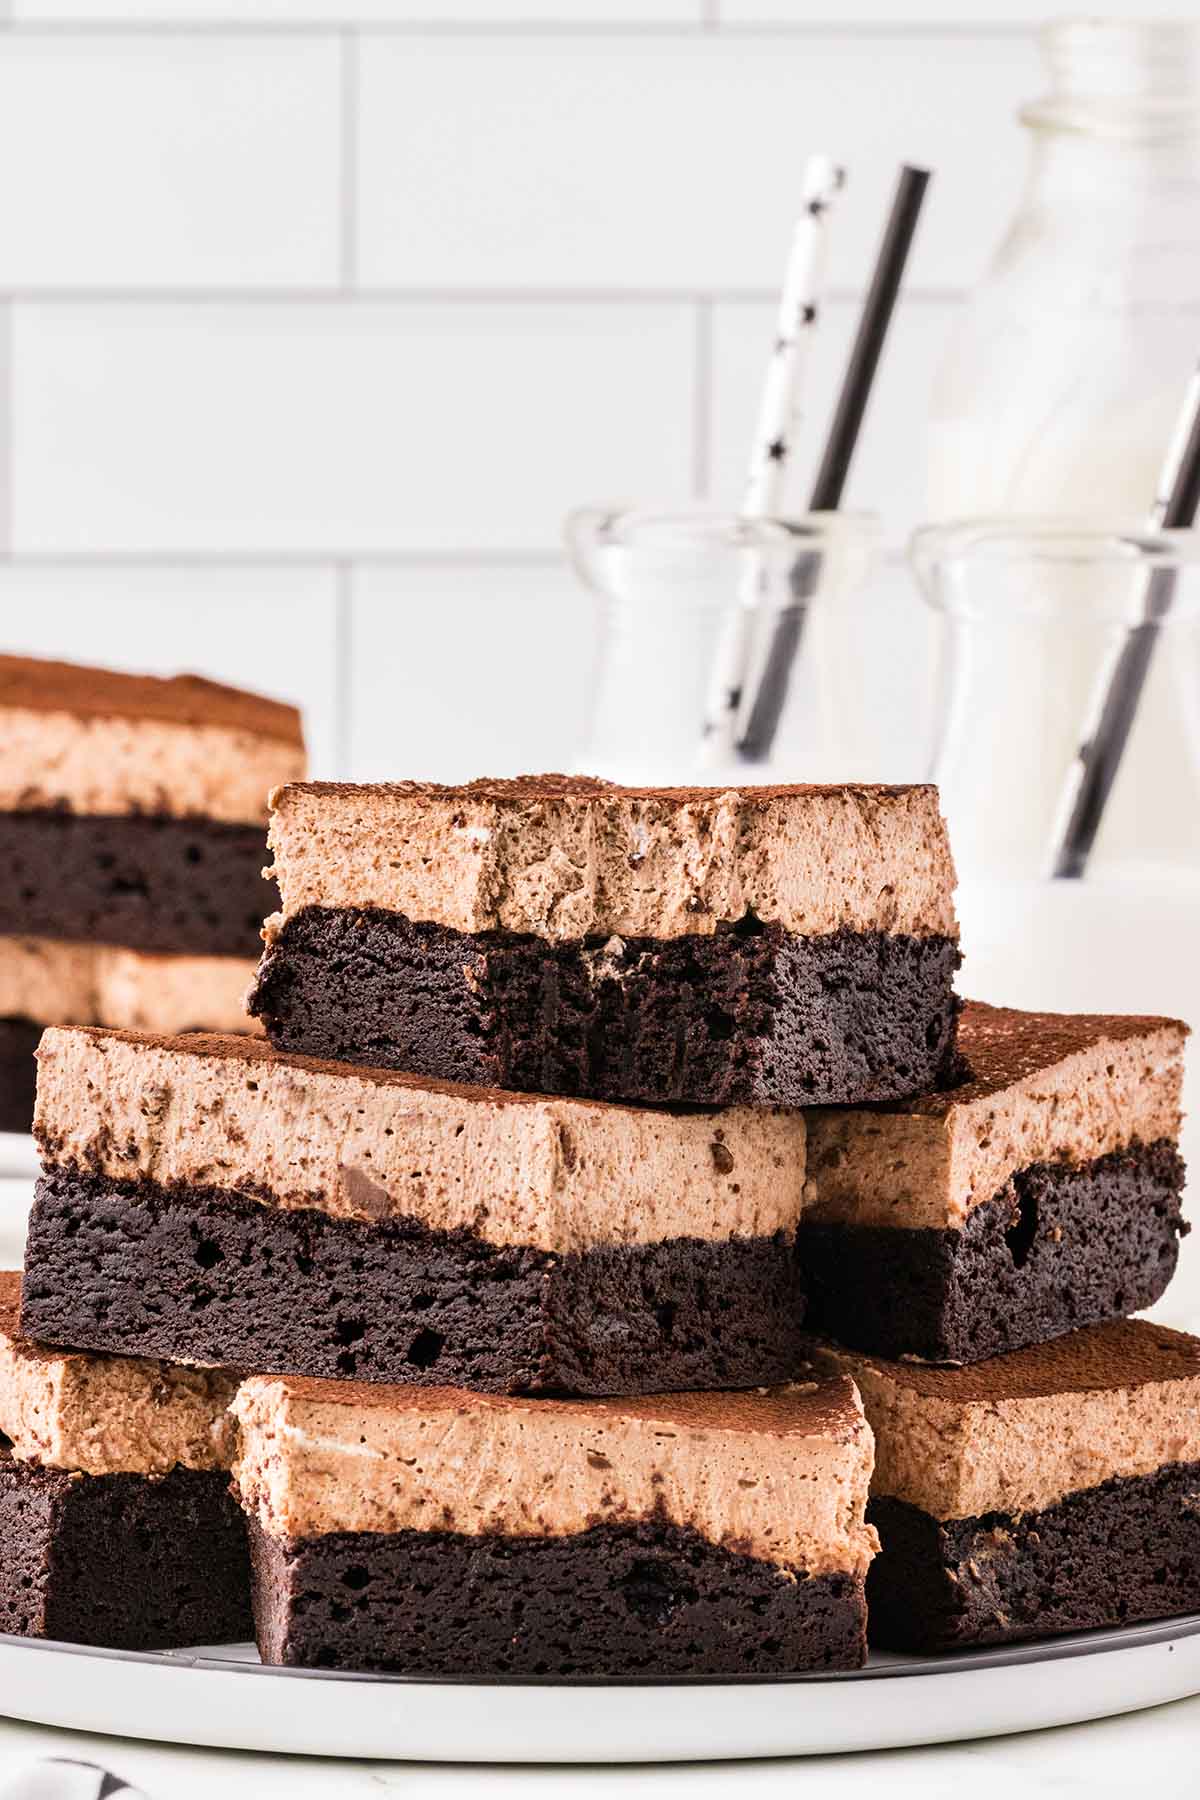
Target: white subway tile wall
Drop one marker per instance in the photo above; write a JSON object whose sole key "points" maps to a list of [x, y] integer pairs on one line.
{"points": [[161, 162], [316, 316], [482, 667], [354, 427], [672, 162]]}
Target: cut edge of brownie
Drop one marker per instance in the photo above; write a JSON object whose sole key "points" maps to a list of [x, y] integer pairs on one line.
{"points": [[618, 1600], [751, 1015], [143, 881], [19, 1039], [1061, 1246], [213, 1277], [128, 1562], [1124, 1551]]}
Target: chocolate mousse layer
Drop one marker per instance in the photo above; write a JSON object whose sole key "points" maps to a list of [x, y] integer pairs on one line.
{"points": [[53, 981], [786, 945], [446, 1533], [214, 1200], [1040, 1195], [132, 808], [116, 1522], [1054, 1489], [102, 742]]}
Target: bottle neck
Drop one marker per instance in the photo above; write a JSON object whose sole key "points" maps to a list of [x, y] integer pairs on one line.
{"points": [[1114, 171], [1135, 84]]}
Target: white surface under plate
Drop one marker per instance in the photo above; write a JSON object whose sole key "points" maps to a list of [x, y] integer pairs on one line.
{"points": [[224, 1698]]}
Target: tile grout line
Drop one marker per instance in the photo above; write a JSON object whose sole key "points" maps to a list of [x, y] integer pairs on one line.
{"points": [[345, 558], [6, 427], [348, 170], [343, 666], [702, 398], [707, 24], [382, 295]]}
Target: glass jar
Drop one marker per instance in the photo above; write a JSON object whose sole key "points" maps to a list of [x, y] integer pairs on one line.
{"points": [[1034, 615], [1064, 378], [667, 583]]}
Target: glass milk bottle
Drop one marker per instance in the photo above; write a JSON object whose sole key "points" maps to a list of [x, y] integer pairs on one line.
{"points": [[1061, 386], [1032, 614]]}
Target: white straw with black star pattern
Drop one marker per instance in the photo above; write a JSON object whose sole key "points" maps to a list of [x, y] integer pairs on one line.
{"points": [[769, 671], [774, 437]]}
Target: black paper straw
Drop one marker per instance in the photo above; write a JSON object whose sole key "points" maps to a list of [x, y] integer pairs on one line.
{"points": [[766, 706], [1099, 758]]}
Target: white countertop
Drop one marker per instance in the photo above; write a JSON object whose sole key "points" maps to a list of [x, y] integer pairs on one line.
{"points": [[1156, 1752]]}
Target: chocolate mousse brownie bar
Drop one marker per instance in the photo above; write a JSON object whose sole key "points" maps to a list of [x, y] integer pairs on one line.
{"points": [[131, 808], [117, 1526], [132, 815], [445, 1533], [1040, 1195], [781, 945], [214, 1200], [1055, 1489]]}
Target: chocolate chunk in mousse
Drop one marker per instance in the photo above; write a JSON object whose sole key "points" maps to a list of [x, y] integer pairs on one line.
{"points": [[437, 1532], [775, 946], [214, 1200], [1054, 1489], [117, 1526], [132, 808], [1040, 1195]]}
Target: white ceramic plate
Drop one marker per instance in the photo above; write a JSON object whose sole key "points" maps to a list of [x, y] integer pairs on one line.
{"points": [[226, 1699]]}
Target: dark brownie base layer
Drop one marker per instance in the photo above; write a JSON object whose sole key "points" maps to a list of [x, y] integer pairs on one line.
{"points": [[752, 1015], [1058, 1248], [18, 1073], [619, 1600], [203, 1275], [194, 886], [132, 1562], [1106, 1555]]}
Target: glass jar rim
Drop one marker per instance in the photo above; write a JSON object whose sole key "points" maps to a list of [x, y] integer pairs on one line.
{"points": [[703, 528], [1069, 541]]}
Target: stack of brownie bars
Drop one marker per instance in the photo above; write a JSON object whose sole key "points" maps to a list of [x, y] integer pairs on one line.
{"points": [[623, 1256], [133, 832]]}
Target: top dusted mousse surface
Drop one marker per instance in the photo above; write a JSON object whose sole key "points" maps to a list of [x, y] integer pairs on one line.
{"points": [[372, 1144], [1114, 1357], [99, 741], [94, 693], [106, 1415], [567, 858], [1006, 1048], [780, 1474], [827, 1408], [1045, 1087], [1019, 1432]]}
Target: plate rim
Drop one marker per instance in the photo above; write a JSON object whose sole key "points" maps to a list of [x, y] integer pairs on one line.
{"points": [[1105, 1640]]}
